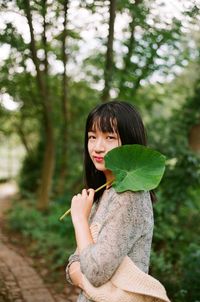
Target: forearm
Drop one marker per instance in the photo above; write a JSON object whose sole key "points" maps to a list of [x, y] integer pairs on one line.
{"points": [[83, 234], [75, 274]]}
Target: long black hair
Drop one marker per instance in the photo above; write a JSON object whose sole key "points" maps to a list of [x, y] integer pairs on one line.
{"points": [[120, 117]]}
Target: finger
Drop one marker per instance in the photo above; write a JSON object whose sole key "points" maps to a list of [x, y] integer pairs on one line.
{"points": [[74, 198], [84, 193], [91, 193]]}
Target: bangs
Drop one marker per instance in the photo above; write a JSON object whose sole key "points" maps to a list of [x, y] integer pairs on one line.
{"points": [[104, 122]]}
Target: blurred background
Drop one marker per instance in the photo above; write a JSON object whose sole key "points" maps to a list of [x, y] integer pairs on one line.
{"points": [[58, 59]]}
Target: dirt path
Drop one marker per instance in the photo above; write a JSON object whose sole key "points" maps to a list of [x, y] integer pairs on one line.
{"points": [[19, 281]]}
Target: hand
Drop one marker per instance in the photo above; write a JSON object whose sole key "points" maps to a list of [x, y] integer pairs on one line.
{"points": [[81, 205]]}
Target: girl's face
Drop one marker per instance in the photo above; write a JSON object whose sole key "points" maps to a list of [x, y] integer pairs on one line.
{"points": [[99, 143]]}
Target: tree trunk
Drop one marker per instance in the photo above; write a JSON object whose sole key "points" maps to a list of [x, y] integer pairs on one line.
{"points": [[194, 138], [48, 161], [65, 108], [23, 138], [44, 38], [127, 59], [108, 70]]}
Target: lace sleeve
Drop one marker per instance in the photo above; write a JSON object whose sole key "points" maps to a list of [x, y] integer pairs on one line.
{"points": [[122, 227]]}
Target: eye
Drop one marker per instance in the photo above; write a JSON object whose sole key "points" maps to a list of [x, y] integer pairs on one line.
{"points": [[91, 136], [111, 137]]}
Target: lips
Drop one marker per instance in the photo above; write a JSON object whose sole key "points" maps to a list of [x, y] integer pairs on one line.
{"points": [[98, 159]]}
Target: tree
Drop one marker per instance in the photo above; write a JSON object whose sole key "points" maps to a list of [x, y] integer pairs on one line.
{"points": [[65, 105], [148, 37], [48, 94], [108, 69], [42, 80]]}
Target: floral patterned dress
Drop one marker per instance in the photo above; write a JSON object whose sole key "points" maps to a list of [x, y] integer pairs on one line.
{"points": [[126, 221]]}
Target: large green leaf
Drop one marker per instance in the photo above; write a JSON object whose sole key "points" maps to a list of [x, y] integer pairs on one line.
{"points": [[135, 167]]}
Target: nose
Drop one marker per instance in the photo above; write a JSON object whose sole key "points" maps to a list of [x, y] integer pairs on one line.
{"points": [[99, 145]]}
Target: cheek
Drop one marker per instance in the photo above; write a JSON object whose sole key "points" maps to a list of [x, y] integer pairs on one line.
{"points": [[117, 143], [89, 148], [114, 145]]}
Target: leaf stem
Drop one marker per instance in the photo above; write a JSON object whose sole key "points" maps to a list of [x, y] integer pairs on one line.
{"points": [[98, 189]]}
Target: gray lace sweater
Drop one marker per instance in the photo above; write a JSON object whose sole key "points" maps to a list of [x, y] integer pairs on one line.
{"points": [[126, 221]]}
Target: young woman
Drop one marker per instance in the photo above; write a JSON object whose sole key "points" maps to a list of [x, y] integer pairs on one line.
{"points": [[125, 219]]}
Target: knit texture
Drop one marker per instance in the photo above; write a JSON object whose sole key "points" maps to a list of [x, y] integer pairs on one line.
{"points": [[128, 284], [126, 228]]}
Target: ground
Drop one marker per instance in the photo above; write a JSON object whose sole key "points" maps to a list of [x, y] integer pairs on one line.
{"points": [[19, 281]]}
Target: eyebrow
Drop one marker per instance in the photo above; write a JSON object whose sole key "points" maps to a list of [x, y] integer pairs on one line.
{"points": [[94, 131]]}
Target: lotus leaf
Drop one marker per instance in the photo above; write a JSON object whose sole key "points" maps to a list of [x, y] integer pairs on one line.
{"points": [[135, 167]]}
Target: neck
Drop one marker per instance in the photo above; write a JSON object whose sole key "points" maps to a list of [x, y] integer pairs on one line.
{"points": [[109, 177]]}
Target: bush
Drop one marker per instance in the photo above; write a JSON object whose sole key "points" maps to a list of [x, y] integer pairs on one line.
{"points": [[50, 238], [191, 273], [30, 173]]}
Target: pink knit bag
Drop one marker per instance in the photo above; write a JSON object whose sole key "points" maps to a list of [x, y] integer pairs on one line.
{"points": [[128, 284]]}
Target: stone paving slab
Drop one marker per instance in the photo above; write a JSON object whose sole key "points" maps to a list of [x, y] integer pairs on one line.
{"points": [[19, 281], [9, 290]]}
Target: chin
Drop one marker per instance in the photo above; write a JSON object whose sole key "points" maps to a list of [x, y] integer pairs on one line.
{"points": [[100, 167]]}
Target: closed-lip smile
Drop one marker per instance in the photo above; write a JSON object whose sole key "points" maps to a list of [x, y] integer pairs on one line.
{"points": [[98, 158]]}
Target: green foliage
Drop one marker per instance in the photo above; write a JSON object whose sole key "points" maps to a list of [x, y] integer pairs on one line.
{"points": [[191, 273], [50, 239], [155, 47], [29, 176], [12, 37], [176, 239]]}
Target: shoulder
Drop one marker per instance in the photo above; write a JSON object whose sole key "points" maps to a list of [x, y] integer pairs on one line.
{"points": [[130, 206], [135, 208], [129, 197]]}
